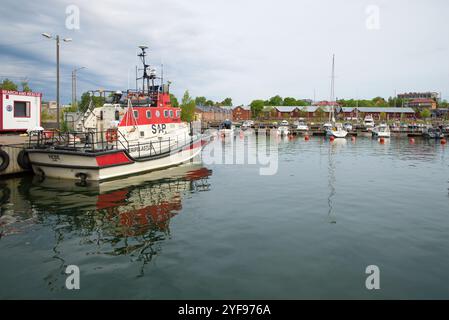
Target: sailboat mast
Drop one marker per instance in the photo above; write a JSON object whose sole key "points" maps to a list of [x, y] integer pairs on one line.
{"points": [[331, 114]]}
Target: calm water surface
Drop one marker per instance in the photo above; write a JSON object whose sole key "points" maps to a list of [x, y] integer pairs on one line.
{"points": [[225, 231]]}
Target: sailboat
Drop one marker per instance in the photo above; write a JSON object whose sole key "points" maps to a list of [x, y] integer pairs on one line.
{"points": [[336, 130]]}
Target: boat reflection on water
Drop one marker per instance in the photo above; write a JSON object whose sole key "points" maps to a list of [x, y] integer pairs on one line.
{"points": [[121, 217]]}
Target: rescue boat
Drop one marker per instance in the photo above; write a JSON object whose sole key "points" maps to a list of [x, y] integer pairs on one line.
{"points": [[134, 132]]}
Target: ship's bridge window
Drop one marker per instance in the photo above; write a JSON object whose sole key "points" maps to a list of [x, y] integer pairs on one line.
{"points": [[158, 114], [166, 113], [117, 115], [136, 114], [177, 113], [171, 113], [148, 114]]}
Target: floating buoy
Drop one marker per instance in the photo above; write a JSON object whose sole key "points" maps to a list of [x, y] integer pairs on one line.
{"points": [[307, 138], [443, 141], [412, 141], [353, 138], [382, 140], [331, 138]]}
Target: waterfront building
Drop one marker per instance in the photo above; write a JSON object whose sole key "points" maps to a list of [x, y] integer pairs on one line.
{"points": [[241, 113], [387, 113], [419, 95], [421, 103], [212, 113], [286, 112]]}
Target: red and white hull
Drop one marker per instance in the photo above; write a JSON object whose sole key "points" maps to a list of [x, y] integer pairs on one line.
{"points": [[105, 165]]}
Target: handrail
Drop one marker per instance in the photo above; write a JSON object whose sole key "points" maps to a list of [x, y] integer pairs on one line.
{"points": [[92, 141]]}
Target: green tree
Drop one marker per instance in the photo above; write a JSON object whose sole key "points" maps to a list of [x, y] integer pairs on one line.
{"points": [[379, 102], [186, 99], [209, 103], [425, 113], [187, 107], [200, 101], [174, 100], [275, 101], [227, 102], [85, 100], [289, 101], [443, 104], [25, 86], [257, 107], [8, 85]]}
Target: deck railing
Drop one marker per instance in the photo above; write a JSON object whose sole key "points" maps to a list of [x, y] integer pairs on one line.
{"points": [[98, 141]]}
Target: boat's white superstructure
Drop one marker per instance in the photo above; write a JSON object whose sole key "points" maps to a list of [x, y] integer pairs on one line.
{"points": [[381, 131], [226, 128], [283, 131], [369, 122], [302, 126]]}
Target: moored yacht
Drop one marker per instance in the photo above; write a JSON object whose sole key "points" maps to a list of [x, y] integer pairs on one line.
{"points": [[336, 131], [381, 131], [332, 128], [369, 122], [433, 133]]}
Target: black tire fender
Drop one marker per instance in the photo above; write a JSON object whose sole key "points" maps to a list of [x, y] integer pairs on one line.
{"points": [[4, 160], [24, 160]]}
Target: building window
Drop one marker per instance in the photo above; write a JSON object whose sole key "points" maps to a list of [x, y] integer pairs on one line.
{"points": [[117, 115], [136, 114], [21, 109], [148, 114], [142, 134]]}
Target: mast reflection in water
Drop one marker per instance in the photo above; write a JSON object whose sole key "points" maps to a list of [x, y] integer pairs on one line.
{"points": [[123, 217]]}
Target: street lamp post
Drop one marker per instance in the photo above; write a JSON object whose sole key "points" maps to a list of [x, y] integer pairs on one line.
{"points": [[49, 36], [74, 97]]}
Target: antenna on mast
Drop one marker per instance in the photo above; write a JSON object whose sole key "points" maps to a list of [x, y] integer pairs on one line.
{"points": [[145, 75]]}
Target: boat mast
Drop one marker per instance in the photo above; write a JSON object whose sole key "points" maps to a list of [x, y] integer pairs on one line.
{"points": [[145, 75], [331, 114]]}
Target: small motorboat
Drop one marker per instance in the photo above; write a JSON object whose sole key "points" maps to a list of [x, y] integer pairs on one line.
{"points": [[226, 128], [381, 131], [245, 126], [433, 133], [302, 126], [283, 131]]}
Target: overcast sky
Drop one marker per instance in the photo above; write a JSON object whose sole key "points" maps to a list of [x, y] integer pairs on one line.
{"points": [[227, 48]]}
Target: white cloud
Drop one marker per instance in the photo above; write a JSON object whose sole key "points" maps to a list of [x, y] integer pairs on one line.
{"points": [[243, 49]]}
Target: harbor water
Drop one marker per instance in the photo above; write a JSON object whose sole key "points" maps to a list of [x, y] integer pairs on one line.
{"points": [[210, 230]]}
